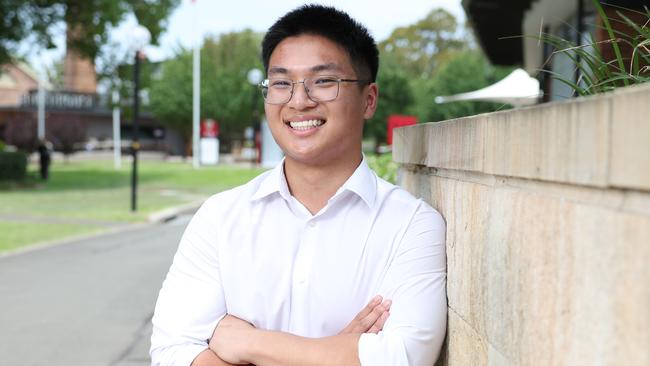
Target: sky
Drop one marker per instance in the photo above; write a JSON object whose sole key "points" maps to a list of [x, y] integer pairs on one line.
{"points": [[192, 21]]}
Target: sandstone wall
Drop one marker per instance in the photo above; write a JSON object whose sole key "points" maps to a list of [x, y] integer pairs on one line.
{"points": [[548, 229]]}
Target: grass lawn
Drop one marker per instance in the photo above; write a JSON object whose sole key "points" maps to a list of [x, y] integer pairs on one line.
{"points": [[19, 234], [97, 195]]}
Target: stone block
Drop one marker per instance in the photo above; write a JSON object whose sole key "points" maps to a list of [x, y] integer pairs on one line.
{"points": [[466, 209], [630, 150], [456, 144], [464, 346], [560, 142], [557, 282], [544, 280], [409, 144]]}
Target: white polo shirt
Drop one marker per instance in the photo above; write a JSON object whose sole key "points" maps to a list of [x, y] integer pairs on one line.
{"points": [[257, 253]]}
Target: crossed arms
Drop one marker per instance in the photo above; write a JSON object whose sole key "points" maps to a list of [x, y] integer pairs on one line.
{"points": [[192, 318], [236, 342]]}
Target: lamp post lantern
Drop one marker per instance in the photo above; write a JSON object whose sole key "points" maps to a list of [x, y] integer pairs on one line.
{"points": [[140, 37]]}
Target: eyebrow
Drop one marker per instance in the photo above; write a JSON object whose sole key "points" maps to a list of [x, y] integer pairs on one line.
{"points": [[277, 70], [317, 68], [326, 67]]}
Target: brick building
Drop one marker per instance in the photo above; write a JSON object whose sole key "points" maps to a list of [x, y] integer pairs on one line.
{"points": [[76, 117]]}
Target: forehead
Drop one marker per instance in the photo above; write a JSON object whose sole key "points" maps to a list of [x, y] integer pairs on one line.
{"points": [[308, 52]]}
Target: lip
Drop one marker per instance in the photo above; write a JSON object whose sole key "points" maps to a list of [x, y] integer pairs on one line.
{"points": [[301, 118]]}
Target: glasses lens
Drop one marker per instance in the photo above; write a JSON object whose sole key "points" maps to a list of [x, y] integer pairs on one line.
{"points": [[277, 91], [322, 88]]}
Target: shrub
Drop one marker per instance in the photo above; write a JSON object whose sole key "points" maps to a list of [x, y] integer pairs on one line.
{"points": [[599, 74], [384, 166], [13, 165]]}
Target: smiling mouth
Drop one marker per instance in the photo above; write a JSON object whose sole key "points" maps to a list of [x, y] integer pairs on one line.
{"points": [[305, 125]]}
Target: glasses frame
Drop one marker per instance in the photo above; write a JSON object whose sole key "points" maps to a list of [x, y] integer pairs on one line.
{"points": [[264, 86]]}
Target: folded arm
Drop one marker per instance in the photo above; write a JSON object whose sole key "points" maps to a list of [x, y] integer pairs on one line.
{"points": [[412, 335], [237, 341]]}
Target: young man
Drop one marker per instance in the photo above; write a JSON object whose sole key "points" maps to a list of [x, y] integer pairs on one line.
{"points": [[291, 268]]}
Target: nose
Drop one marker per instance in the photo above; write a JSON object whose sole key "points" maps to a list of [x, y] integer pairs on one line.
{"points": [[300, 99]]}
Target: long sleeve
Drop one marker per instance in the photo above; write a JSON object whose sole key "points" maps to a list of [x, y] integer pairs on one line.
{"points": [[191, 301], [416, 282]]}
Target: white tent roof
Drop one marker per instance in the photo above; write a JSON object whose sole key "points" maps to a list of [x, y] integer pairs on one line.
{"points": [[518, 89]]}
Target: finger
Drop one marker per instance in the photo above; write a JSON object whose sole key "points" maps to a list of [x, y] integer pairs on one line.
{"points": [[371, 305], [375, 314], [379, 324]]}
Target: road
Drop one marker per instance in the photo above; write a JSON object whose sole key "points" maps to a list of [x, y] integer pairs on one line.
{"points": [[87, 302]]}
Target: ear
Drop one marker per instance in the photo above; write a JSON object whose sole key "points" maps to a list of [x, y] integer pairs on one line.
{"points": [[372, 94]]}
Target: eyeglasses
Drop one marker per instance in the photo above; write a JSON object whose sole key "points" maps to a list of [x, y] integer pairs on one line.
{"points": [[319, 89]]}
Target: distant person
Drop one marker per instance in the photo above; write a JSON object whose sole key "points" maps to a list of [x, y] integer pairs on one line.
{"points": [[318, 261], [44, 158]]}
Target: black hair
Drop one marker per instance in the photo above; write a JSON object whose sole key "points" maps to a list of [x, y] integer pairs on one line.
{"points": [[332, 24]]}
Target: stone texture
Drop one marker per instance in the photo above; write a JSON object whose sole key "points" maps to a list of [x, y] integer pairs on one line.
{"points": [[630, 153], [548, 258], [456, 144], [537, 279], [560, 142], [409, 144], [465, 207], [599, 141], [464, 345]]}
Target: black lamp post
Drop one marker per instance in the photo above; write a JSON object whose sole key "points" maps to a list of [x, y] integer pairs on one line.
{"points": [[140, 37], [135, 143]]}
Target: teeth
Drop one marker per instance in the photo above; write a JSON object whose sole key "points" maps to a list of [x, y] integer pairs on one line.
{"points": [[305, 125]]}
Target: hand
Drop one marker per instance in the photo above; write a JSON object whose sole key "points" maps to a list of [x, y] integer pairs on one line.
{"points": [[230, 338], [370, 319]]}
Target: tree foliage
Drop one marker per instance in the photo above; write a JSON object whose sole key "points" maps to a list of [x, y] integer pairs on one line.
{"points": [[226, 94], [90, 21], [65, 131], [422, 47], [464, 72], [395, 97]]}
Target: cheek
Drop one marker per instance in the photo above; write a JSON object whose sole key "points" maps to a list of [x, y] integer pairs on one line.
{"points": [[353, 111], [272, 112]]}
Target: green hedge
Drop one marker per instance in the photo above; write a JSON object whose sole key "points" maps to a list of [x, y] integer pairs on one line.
{"points": [[13, 165], [384, 166]]}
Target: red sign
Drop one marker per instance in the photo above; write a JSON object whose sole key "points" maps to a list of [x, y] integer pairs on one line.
{"points": [[209, 128], [395, 121]]}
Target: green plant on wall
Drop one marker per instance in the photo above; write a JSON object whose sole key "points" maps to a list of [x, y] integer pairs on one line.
{"points": [[598, 74]]}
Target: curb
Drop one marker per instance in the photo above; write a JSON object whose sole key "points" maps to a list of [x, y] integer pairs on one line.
{"points": [[171, 213], [159, 217], [71, 239]]}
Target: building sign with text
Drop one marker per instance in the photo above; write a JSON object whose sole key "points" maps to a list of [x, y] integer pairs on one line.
{"points": [[62, 100]]}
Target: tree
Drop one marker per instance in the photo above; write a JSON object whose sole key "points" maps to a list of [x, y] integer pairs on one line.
{"points": [[88, 22], [21, 133], [226, 94], [65, 131], [466, 71], [395, 97], [422, 47], [171, 95]]}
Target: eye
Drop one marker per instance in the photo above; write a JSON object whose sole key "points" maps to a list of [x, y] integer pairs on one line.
{"points": [[280, 84], [325, 81]]}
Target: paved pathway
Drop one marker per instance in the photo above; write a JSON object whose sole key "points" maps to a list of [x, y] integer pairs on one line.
{"points": [[85, 303]]}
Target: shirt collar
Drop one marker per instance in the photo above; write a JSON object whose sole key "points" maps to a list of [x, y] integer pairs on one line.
{"points": [[362, 182], [272, 183]]}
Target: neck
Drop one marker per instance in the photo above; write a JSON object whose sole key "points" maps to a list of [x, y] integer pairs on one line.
{"points": [[314, 185]]}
